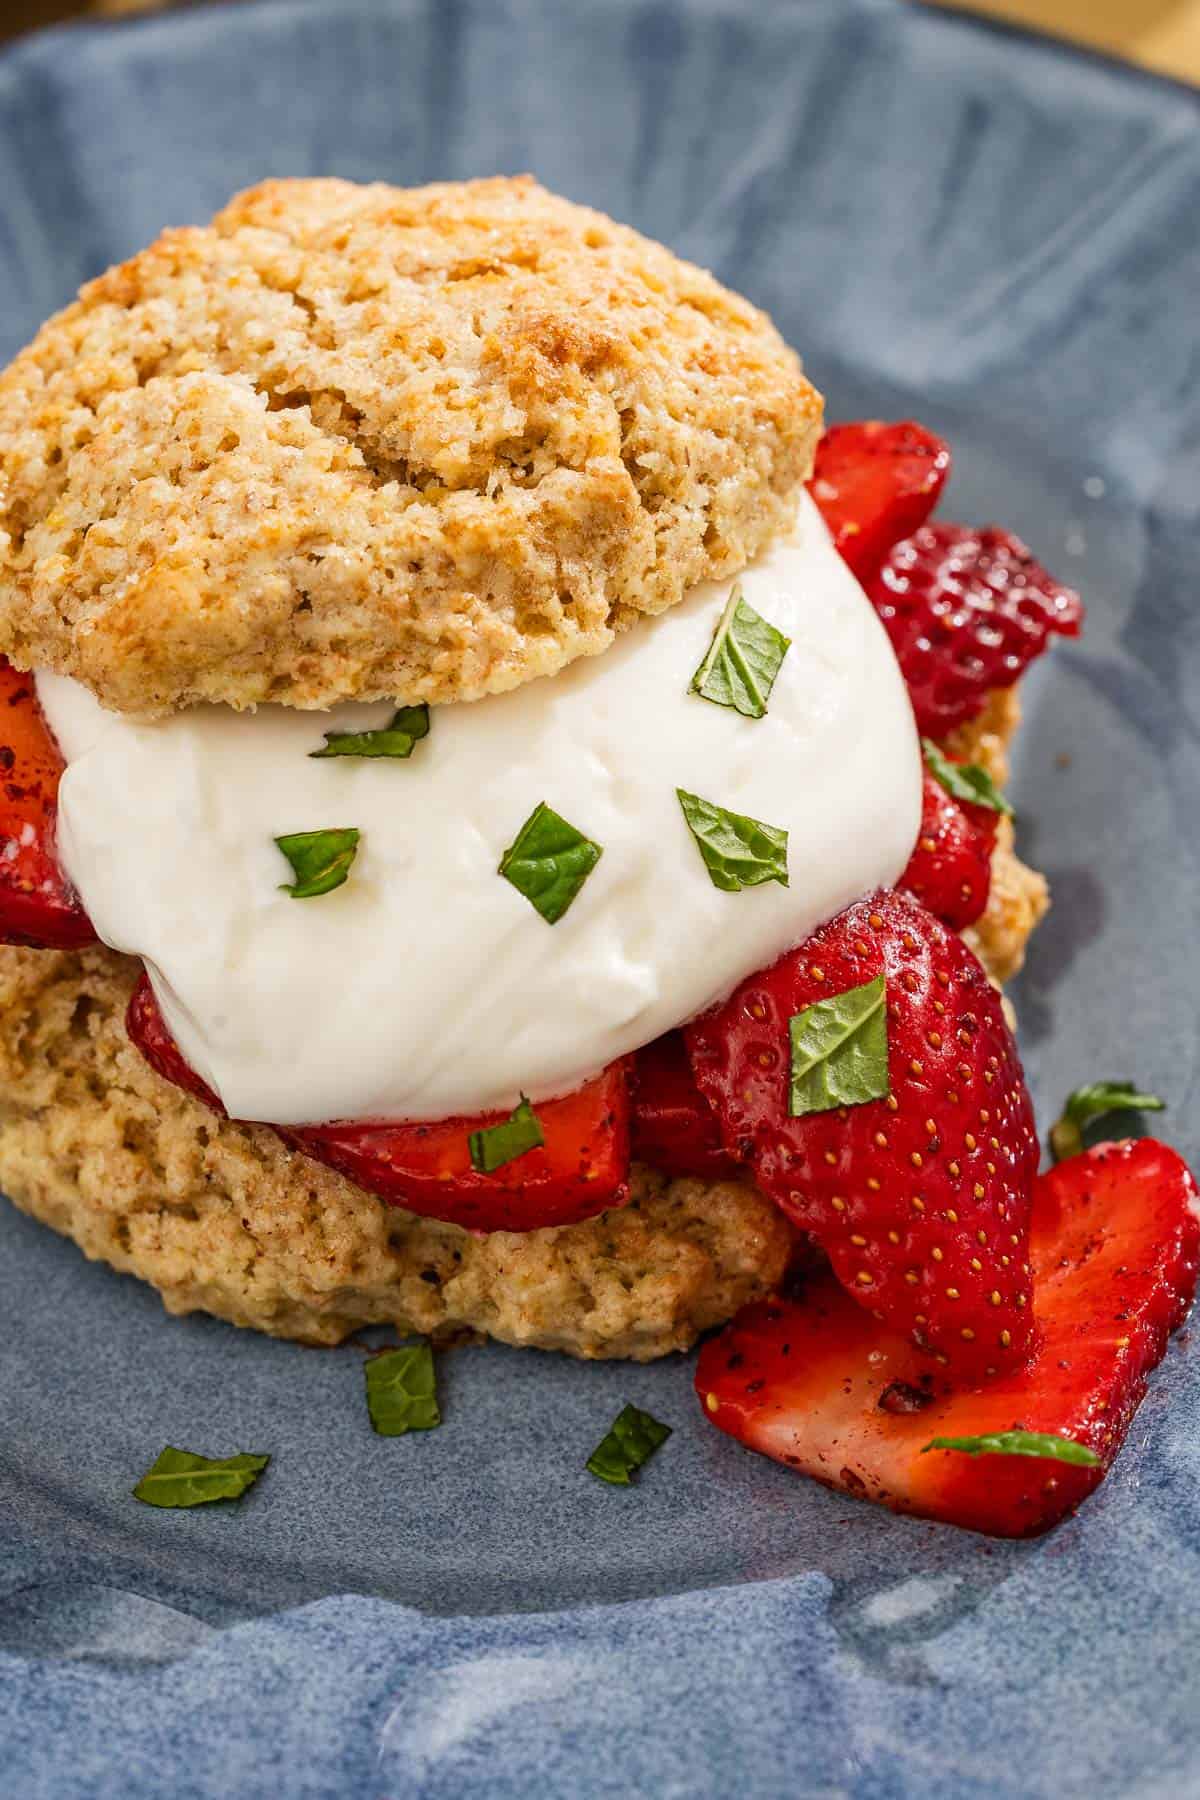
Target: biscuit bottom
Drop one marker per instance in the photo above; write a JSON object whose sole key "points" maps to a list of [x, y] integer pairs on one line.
{"points": [[222, 1218]]}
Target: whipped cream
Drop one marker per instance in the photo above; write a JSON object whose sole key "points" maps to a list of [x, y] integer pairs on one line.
{"points": [[427, 985]]}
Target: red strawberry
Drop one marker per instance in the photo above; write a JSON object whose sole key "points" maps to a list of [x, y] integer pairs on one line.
{"points": [[920, 1199], [146, 1027], [38, 905], [876, 483], [967, 611], [950, 871], [674, 1127], [821, 1386], [581, 1169]]}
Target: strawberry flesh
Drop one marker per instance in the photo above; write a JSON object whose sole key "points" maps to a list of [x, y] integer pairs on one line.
{"points": [[950, 871], [875, 483], [674, 1128], [582, 1168], [967, 611], [146, 1027], [38, 905], [819, 1385], [921, 1199]]}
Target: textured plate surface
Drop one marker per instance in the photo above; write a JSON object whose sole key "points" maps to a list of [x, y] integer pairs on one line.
{"points": [[949, 220]]}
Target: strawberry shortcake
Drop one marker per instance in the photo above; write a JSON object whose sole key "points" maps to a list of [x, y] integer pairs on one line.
{"points": [[504, 830]]}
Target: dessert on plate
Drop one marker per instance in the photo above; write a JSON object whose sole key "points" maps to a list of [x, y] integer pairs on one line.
{"points": [[504, 831]]}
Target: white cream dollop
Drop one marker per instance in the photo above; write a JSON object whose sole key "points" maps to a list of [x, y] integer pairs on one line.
{"points": [[427, 985]]}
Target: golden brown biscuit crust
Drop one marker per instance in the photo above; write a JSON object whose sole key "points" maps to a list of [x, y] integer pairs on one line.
{"points": [[359, 442]]}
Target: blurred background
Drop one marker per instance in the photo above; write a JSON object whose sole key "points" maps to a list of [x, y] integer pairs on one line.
{"points": [[1160, 34]]}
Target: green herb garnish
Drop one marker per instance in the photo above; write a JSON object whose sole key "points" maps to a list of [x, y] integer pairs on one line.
{"points": [[738, 852], [964, 781], [840, 1050], [1095, 1101], [321, 860], [179, 1478], [494, 1145], [402, 1391], [632, 1438], [410, 724], [743, 659], [1019, 1443], [548, 862]]}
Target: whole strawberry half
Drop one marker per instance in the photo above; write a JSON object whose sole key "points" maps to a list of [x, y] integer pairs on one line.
{"points": [[967, 611], [950, 871], [819, 1385], [876, 483], [921, 1197]]}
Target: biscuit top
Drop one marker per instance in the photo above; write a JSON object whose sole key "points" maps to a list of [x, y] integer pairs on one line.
{"points": [[363, 442]]}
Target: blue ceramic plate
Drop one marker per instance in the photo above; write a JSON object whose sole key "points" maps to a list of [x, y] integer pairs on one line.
{"points": [[993, 233]]}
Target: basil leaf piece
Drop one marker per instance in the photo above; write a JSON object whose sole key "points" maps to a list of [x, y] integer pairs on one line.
{"points": [[1092, 1102], [1020, 1443], [549, 861], [840, 1050], [402, 1391], [964, 781], [494, 1145], [321, 860], [180, 1478], [743, 659], [738, 852], [631, 1440], [410, 724]]}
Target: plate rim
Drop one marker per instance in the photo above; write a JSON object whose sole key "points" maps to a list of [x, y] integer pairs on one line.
{"points": [[955, 17]]}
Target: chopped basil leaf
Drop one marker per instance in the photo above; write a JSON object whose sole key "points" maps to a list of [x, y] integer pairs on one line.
{"points": [[840, 1050], [743, 659], [549, 861], [964, 781], [410, 724], [179, 1478], [738, 852], [494, 1145], [632, 1438], [1095, 1101], [402, 1391], [321, 860], [1020, 1443]]}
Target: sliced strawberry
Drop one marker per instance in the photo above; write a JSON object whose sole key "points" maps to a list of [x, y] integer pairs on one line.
{"points": [[819, 1385], [674, 1127], [950, 871], [967, 611], [146, 1027], [38, 905], [920, 1199], [875, 483], [581, 1169]]}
